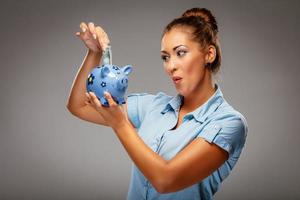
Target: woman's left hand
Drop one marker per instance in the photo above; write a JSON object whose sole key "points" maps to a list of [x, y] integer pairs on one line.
{"points": [[114, 115]]}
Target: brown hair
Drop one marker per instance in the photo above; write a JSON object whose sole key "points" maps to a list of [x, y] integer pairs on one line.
{"points": [[205, 31]]}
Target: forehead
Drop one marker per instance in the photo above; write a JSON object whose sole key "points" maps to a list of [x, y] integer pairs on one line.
{"points": [[177, 36]]}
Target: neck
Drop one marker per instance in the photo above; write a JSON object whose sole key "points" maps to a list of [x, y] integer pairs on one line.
{"points": [[198, 97]]}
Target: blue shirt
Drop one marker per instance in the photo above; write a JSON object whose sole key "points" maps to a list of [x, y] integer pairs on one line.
{"points": [[216, 121]]}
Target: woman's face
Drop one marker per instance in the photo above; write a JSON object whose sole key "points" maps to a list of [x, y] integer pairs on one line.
{"points": [[183, 60]]}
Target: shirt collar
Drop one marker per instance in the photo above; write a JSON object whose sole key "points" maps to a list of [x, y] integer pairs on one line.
{"points": [[203, 111]]}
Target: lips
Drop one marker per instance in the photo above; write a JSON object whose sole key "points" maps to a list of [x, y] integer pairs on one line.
{"points": [[176, 78]]}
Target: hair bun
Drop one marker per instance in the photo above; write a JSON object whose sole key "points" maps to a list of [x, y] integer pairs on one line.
{"points": [[204, 14]]}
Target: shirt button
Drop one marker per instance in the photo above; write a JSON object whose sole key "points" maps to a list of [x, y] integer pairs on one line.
{"points": [[216, 127]]}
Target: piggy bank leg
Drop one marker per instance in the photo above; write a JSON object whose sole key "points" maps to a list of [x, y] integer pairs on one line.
{"points": [[103, 101], [121, 100]]}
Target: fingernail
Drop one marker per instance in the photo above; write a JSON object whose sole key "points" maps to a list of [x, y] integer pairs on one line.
{"points": [[83, 29], [94, 36]]}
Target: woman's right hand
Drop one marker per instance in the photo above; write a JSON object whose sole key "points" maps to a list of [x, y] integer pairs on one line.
{"points": [[94, 37]]}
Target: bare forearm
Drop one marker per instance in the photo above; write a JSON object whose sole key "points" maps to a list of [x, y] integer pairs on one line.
{"points": [[78, 89], [151, 164]]}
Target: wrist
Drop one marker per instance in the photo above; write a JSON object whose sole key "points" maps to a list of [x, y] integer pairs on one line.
{"points": [[121, 127], [97, 54]]}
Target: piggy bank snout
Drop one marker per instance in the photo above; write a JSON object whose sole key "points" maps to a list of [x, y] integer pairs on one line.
{"points": [[123, 83]]}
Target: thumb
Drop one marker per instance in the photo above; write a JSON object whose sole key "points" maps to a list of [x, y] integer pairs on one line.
{"points": [[77, 34]]}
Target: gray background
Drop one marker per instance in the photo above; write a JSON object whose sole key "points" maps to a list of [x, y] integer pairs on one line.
{"points": [[46, 153]]}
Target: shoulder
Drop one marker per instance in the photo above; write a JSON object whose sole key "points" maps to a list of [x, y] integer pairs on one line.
{"points": [[227, 128], [227, 123], [227, 113]]}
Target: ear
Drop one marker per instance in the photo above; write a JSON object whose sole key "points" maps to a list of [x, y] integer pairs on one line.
{"points": [[104, 71], [211, 54], [127, 69]]}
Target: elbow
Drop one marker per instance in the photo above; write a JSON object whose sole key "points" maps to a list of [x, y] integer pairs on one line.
{"points": [[160, 187], [162, 190], [70, 109], [163, 184]]}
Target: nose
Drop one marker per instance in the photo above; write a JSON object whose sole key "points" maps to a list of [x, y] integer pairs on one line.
{"points": [[172, 66]]}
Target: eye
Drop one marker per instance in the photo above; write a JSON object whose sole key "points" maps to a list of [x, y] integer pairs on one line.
{"points": [[164, 58], [181, 53]]}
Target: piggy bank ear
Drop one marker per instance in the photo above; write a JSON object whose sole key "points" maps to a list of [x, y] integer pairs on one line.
{"points": [[104, 71], [127, 69]]}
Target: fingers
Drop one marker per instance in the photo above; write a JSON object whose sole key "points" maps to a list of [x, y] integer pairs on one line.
{"points": [[106, 39], [109, 98], [90, 100], [87, 99], [102, 37], [92, 29], [77, 33], [94, 101], [83, 26]]}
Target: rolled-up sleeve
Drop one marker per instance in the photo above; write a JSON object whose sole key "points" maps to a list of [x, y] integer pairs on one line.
{"points": [[138, 105], [229, 134]]}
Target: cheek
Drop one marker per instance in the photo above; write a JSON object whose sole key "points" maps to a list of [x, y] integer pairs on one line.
{"points": [[195, 69], [165, 68]]}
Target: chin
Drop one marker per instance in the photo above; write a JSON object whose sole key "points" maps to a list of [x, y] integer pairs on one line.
{"points": [[181, 93], [184, 93]]}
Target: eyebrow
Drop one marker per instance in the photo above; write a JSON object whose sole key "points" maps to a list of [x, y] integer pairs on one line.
{"points": [[174, 48]]}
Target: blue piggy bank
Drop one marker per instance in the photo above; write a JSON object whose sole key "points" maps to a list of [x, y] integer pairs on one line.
{"points": [[110, 78]]}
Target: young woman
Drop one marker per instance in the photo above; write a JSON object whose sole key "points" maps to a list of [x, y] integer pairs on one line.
{"points": [[184, 146]]}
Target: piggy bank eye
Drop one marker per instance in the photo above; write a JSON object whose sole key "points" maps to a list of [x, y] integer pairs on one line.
{"points": [[116, 68]]}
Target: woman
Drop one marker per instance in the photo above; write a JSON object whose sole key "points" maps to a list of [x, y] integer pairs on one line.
{"points": [[182, 147]]}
